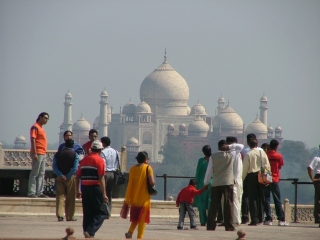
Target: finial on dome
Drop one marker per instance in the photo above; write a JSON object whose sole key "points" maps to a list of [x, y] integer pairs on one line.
{"points": [[256, 115], [165, 55], [228, 102], [130, 99], [198, 100]]}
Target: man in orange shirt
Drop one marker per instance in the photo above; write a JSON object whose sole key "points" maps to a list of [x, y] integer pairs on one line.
{"points": [[38, 154]]}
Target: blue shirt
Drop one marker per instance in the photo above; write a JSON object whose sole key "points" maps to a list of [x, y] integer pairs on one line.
{"points": [[76, 148], [72, 171]]}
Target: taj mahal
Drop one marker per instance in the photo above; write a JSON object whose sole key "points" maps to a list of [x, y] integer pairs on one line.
{"points": [[164, 113]]}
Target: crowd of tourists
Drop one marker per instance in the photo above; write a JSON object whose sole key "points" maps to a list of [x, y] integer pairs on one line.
{"points": [[226, 187]]}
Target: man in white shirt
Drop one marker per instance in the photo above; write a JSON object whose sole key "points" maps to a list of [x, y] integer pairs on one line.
{"points": [[315, 166], [111, 161]]}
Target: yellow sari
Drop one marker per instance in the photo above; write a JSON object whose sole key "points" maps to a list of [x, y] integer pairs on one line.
{"points": [[137, 196]]}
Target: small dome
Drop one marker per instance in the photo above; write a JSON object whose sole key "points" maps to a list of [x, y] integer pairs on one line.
{"points": [[278, 128], [104, 93], [170, 126], [264, 98], [188, 110], [81, 125], [270, 129], [129, 108], [132, 141], [221, 99], [230, 121], [20, 139], [182, 127], [198, 109], [256, 127], [143, 107], [68, 95], [198, 128], [96, 121]]}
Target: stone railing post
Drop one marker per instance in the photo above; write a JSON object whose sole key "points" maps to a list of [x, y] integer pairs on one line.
{"points": [[287, 210], [123, 158]]}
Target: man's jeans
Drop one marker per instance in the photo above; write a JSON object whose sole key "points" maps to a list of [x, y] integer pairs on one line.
{"points": [[183, 208], [36, 177], [274, 188]]}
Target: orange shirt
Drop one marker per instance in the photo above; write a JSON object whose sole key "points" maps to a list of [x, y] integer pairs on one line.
{"points": [[38, 133]]}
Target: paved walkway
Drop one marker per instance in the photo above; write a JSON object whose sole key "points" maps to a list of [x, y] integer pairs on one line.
{"points": [[45, 227]]}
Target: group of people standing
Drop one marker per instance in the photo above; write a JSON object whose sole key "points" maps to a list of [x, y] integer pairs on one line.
{"points": [[231, 174]]}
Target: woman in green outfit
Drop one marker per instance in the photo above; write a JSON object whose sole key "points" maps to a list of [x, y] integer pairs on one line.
{"points": [[202, 202]]}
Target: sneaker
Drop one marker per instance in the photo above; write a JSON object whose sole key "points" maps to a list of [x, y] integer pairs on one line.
{"points": [[267, 222], [33, 196], [179, 228], [72, 219], [283, 223], [60, 218], [128, 235], [43, 196], [194, 228], [87, 235]]}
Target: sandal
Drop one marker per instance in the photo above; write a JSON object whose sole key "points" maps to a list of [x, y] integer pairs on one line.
{"points": [[128, 235]]}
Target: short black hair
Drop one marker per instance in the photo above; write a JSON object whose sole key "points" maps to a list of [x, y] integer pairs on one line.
{"points": [[221, 143], [106, 141], [251, 135], [192, 182], [65, 133], [274, 144], [142, 156], [207, 150], [93, 131], [42, 115], [231, 140], [69, 143], [96, 150]]}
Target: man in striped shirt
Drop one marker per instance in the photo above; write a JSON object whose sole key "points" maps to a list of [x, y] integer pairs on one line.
{"points": [[91, 172]]}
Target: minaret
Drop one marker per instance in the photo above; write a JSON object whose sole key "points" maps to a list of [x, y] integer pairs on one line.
{"points": [[103, 121], [221, 103], [67, 119], [263, 109]]}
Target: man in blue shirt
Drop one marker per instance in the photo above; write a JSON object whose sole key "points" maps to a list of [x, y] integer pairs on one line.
{"points": [[76, 147], [65, 164]]}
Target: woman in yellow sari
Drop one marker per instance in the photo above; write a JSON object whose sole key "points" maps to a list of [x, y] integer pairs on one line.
{"points": [[137, 196]]}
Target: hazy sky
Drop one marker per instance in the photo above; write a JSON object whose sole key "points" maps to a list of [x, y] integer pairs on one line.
{"points": [[240, 49]]}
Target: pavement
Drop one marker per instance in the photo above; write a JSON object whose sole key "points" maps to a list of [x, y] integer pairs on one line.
{"points": [[47, 227]]}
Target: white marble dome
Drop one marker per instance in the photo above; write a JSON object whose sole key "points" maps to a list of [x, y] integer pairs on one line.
{"points": [[198, 128], [166, 89], [264, 98], [278, 128], [230, 121], [68, 95], [143, 107], [132, 141], [129, 108], [198, 109], [81, 125], [104, 93], [20, 139], [258, 128]]}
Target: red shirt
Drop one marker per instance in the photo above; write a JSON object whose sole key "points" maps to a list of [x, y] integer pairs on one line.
{"points": [[276, 162], [90, 169], [187, 194], [87, 148]]}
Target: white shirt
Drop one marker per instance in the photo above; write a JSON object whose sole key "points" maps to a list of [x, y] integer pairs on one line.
{"points": [[234, 150], [315, 165], [109, 156]]}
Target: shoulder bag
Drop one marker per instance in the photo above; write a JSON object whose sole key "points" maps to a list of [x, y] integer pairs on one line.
{"points": [[264, 176], [121, 179], [151, 189]]}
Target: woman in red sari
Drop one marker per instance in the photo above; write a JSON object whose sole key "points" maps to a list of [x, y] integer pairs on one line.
{"points": [[137, 196]]}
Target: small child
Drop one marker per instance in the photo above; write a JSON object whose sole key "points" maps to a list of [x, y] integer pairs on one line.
{"points": [[184, 202], [69, 232], [241, 235]]}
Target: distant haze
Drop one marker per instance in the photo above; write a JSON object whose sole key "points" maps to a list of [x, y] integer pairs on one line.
{"points": [[240, 49]]}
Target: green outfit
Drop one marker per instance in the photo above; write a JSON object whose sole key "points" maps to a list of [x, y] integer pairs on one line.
{"points": [[202, 202]]}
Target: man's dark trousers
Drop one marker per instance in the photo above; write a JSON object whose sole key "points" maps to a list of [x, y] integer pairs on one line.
{"points": [[93, 216], [216, 194]]}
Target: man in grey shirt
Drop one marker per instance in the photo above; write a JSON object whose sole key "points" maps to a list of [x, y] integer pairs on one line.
{"points": [[221, 166]]}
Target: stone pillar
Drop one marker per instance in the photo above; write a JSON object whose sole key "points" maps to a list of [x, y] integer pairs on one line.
{"points": [[123, 158], [287, 210]]}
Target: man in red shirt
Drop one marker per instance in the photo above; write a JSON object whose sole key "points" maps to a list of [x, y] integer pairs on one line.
{"points": [[276, 162], [38, 153], [93, 135], [91, 171], [184, 202]]}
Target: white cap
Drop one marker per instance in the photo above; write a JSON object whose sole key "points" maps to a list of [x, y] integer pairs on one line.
{"points": [[96, 145]]}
